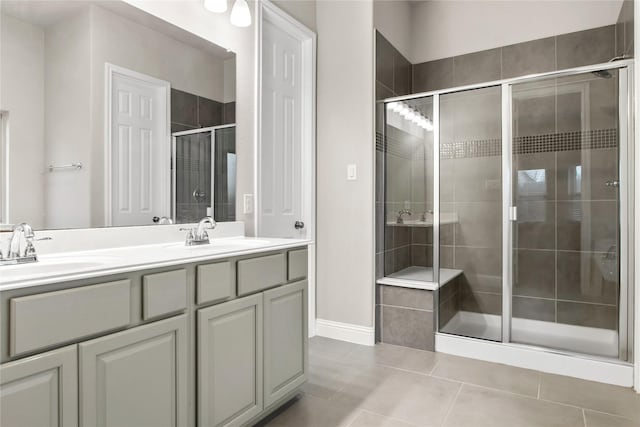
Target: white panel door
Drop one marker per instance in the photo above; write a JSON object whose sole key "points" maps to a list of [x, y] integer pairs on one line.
{"points": [[281, 157], [139, 150]]}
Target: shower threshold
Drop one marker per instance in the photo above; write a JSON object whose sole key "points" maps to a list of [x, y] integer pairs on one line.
{"points": [[578, 339], [419, 278]]}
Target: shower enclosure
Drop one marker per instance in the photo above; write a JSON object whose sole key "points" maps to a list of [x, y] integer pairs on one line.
{"points": [[514, 197], [204, 174]]}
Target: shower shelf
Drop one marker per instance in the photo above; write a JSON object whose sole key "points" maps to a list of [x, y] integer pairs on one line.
{"points": [[419, 278], [445, 218]]}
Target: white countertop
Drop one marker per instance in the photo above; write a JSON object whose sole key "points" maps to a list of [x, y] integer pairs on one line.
{"points": [[66, 266]]}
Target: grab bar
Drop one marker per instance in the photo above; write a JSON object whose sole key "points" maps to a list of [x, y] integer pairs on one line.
{"points": [[74, 166]]}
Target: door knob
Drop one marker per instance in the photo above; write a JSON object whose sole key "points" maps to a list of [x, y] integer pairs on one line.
{"points": [[612, 183], [298, 225]]}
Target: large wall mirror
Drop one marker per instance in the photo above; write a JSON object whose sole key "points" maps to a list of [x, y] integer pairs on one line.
{"points": [[112, 117]]}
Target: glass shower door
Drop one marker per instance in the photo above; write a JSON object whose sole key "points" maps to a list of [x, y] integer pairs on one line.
{"points": [[565, 230], [470, 233]]}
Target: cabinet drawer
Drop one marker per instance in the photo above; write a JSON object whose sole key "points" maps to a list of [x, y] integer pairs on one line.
{"points": [[256, 274], [164, 293], [215, 282], [298, 261], [51, 318]]}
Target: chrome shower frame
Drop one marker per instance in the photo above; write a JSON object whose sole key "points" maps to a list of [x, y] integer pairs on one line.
{"points": [[212, 130], [626, 197]]}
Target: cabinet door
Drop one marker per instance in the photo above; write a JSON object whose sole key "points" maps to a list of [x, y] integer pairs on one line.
{"points": [[230, 362], [137, 377], [41, 390], [285, 340]]}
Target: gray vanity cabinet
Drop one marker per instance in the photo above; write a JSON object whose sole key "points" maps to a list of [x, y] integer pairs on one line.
{"points": [[41, 390], [285, 340], [137, 377], [230, 362]]}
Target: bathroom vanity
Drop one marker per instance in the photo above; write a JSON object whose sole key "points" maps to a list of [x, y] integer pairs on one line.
{"points": [[166, 335]]}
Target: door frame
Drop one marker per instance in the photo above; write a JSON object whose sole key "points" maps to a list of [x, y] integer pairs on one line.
{"points": [[4, 168], [267, 11], [111, 71]]}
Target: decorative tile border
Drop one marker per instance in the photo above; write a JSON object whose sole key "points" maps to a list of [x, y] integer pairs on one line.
{"points": [[554, 142]]}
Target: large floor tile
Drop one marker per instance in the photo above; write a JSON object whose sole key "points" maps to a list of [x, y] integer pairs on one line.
{"points": [[329, 376], [598, 419], [482, 407], [311, 411], [396, 357], [412, 398], [328, 348], [493, 375], [369, 419], [591, 395]]}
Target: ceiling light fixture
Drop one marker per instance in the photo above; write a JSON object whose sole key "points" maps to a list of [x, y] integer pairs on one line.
{"points": [[241, 14], [216, 6]]}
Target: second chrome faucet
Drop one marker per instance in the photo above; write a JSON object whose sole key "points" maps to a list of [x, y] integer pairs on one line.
{"points": [[198, 235]]}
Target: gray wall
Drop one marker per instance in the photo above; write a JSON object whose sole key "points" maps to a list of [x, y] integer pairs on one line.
{"points": [[345, 130]]}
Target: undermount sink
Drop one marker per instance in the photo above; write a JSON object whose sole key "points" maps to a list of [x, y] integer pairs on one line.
{"points": [[222, 245], [51, 266]]}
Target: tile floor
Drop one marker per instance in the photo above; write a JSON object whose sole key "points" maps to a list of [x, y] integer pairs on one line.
{"points": [[389, 386]]}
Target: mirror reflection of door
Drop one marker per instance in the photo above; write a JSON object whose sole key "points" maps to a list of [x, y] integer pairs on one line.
{"points": [[139, 146]]}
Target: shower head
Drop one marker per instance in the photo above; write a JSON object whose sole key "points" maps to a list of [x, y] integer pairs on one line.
{"points": [[603, 74]]}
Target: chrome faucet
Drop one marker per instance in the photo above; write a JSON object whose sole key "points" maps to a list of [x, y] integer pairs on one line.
{"points": [[423, 218], [14, 254], [161, 220], [402, 213], [198, 235]]}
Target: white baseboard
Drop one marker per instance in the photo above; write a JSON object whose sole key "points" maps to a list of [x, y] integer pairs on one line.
{"points": [[356, 334], [591, 369]]}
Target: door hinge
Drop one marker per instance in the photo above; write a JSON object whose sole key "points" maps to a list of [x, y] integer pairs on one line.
{"points": [[513, 213]]}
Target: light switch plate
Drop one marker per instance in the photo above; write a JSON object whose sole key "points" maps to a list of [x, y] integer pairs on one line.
{"points": [[352, 172], [248, 203]]}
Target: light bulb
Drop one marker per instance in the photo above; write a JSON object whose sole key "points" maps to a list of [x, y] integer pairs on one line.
{"points": [[397, 107], [240, 14], [417, 119], [428, 125], [410, 115], [216, 6], [392, 106]]}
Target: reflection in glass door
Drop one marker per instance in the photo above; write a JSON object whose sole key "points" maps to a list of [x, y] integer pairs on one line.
{"points": [[566, 146], [470, 233]]}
